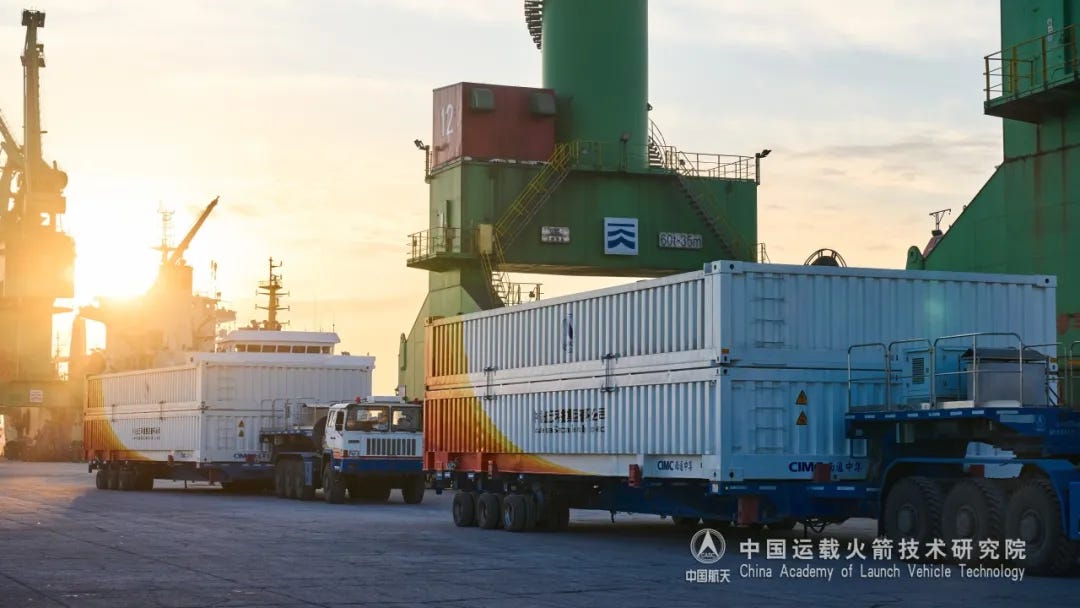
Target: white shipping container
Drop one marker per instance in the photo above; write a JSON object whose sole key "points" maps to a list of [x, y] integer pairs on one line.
{"points": [[749, 314], [735, 373], [213, 409]]}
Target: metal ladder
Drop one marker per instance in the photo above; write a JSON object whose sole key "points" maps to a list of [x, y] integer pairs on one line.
{"points": [[522, 211], [664, 156]]}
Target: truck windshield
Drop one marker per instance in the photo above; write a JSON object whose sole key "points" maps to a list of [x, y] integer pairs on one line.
{"points": [[408, 419], [367, 418]]}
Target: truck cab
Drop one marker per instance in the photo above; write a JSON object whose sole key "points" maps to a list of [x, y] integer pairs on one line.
{"points": [[372, 445]]}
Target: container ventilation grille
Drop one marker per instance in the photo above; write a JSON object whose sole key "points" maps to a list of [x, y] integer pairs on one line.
{"points": [[918, 370]]}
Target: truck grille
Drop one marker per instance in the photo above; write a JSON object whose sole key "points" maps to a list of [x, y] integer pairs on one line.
{"points": [[391, 447]]}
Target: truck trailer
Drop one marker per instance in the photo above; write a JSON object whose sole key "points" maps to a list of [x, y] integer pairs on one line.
{"points": [[766, 395], [290, 417]]}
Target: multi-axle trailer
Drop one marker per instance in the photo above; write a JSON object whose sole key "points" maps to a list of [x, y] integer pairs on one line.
{"points": [[767, 395]]}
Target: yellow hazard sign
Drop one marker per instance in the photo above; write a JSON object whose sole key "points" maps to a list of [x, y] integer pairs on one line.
{"points": [[801, 399], [802, 419], [240, 429]]}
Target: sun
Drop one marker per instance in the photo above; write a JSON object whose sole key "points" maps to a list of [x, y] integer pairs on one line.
{"points": [[111, 261]]}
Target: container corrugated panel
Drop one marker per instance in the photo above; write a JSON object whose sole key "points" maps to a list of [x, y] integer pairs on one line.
{"points": [[649, 318], [209, 411], [176, 384], [768, 311], [250, 383], [675, 418], [762, 314], [746, 424]]}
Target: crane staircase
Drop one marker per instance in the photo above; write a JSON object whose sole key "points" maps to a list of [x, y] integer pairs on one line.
{"points": [[518, 215], [534, 19], [700, 199]]}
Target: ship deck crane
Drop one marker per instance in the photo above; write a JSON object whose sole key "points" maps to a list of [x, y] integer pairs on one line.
{"points": [[175, 257]]}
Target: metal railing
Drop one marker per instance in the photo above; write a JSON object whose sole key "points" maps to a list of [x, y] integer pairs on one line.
{"points": [[512, 293], [697, 164], [876, 376], [1035, 64], [1071, 390], [888, 378], [1054, 393], [436, 241], [973, 373], [716, 166]]}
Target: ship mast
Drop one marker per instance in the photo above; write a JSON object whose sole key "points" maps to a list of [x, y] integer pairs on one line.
{"points": [[273, 291]]}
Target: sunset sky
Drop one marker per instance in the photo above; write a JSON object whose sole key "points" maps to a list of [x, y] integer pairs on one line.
{"points": [[301, 116]]}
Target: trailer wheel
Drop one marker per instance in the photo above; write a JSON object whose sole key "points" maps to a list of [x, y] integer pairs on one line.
{"points": [[413, 491], [1034, 516], [464, 510], [101, 479], [975, 509], [333, 486], [298, 480], [292, 471], [281, 484], [532, 512], [488, 513], [114, 478], [913, 510], [515, 513], [126, 480]]}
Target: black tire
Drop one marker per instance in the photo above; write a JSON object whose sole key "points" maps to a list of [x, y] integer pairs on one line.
{"points": [[413, 491], [975, 509], [333, 486], [488, 511], [515, 513], [291, 473], [114, 478], [281, 483], [300, 491], [464, 510], [913, 510], [532, 513], [1034, 516], [101, 480]]}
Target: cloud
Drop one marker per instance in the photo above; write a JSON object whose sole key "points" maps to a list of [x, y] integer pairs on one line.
{"points": [[920, 28]]}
